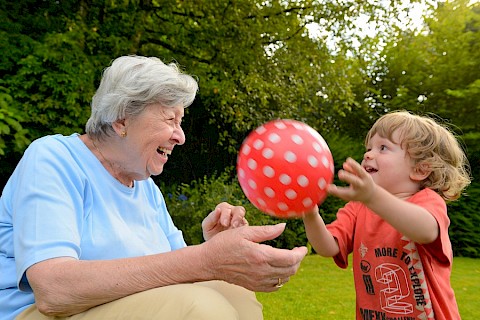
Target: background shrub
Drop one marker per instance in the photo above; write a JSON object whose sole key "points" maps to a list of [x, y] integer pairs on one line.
{"points": [[189, 204]]}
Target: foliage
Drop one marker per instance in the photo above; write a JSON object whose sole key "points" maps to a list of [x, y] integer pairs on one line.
{"points": [[189, 204], [435, 71], [255, 61], [11, 130], [465, 223]]}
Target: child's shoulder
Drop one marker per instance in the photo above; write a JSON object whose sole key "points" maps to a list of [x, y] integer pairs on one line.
{"points": [[426, 194]]}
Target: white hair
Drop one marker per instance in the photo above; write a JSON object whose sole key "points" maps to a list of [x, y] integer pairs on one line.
{"points": [[130, 84]]}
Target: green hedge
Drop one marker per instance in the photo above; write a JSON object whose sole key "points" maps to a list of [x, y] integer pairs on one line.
{"points": [[190, 203]]}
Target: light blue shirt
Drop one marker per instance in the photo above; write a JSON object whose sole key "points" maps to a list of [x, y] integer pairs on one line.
{"points": [[61, 202]]}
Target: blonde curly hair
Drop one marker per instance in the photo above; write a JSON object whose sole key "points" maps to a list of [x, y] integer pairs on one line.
{"points": [[431, 146]]}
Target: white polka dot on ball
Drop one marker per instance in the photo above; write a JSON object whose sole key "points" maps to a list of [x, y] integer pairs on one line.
{"points": [[290, 157], [241, 173], [269, 192], [285, 179], [307, 202], [261, 130], [261, 202], [274, 138], [302, 181], [267, 153], [298, 126], [322, 184], [268, 171], [246, 150], [252, 164], [291, 194], [326, 162], [258, 144], [297, 139], [312, 161]]}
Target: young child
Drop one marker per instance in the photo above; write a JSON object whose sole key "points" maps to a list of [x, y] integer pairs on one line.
{"points": [[396, 222]]}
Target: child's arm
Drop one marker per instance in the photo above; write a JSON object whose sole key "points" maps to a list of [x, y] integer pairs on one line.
{"points": [[409, 219], [319, 237]]}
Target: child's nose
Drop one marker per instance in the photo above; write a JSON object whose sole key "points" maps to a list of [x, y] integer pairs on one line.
{"points": [[368, 155]]}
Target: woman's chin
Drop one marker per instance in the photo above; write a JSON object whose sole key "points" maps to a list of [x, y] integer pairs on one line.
{"points": [[155, 170]]}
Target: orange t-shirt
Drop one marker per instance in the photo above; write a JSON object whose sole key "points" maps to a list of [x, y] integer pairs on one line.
{"points": [[395, 278]]}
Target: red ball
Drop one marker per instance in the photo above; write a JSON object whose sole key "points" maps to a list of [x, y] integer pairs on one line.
{"points": [[284, 167]]}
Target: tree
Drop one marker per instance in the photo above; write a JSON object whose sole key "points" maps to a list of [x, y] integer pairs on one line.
{"points": [[436, 71], [255, 61]]}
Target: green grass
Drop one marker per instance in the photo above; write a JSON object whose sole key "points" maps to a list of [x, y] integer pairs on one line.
{"points": [[322, 290]]}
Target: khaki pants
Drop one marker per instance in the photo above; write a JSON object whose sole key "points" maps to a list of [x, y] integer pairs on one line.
{"points": [[211, 300]]}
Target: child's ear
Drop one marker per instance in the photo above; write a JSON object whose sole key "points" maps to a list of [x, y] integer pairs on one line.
{"points": [[420, 172]]}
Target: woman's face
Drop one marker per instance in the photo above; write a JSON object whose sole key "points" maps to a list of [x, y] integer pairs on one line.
{"points": [[150, 139]]}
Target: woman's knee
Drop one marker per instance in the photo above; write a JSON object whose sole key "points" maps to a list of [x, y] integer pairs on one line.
{"points": [[208, 304]]}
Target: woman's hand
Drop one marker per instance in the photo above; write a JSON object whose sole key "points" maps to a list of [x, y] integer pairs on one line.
{"points": [[224, 217], [239, 257]]}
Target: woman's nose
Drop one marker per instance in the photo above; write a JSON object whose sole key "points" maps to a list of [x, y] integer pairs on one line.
{"points": [[178, 135]]}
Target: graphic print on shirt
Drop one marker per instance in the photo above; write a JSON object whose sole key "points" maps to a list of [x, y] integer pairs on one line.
{"points": [[396, 288], [399, 284], [422, 295]]}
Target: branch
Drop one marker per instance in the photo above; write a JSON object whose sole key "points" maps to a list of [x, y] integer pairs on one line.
{"points": [[288, 10], [186, 53], [302, 27]]}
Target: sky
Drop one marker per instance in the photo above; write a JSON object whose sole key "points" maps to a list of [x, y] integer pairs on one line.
{"points": [[365, 28]]}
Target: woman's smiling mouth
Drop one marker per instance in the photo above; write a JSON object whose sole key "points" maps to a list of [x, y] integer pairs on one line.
{"points": [[164, 152]]}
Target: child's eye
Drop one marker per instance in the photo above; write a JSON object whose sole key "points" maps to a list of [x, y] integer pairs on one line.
{"points": [[383, 147]]}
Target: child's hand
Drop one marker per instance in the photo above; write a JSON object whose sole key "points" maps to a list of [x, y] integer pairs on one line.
{"points": [[361, 185]]}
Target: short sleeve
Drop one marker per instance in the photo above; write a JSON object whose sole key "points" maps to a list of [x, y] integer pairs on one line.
{"points": [[343, 230], [441, 248], [45, 206]]}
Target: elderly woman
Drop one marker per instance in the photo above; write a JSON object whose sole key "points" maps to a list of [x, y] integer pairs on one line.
{"points": [[85, 233]]}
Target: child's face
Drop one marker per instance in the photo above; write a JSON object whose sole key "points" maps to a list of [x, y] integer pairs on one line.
{"points": [[389, 165]]}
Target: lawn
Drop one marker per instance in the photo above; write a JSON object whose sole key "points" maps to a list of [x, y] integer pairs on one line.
{"points": [[321, 290]]}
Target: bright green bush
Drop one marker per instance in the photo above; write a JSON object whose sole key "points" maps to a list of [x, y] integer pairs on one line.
{"points": [[465, 223], [189, 204]]}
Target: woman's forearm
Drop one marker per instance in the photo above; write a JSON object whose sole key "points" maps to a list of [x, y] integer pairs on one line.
{"points": [[66, 286]]}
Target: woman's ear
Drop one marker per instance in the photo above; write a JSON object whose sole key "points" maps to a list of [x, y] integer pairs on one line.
{"points": [[120, 127], [420, 172]]}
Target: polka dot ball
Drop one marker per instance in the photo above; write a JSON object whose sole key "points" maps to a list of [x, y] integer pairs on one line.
{"points": [[284, 167]]}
